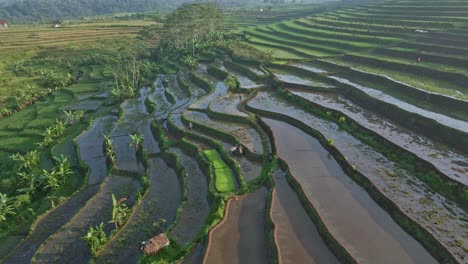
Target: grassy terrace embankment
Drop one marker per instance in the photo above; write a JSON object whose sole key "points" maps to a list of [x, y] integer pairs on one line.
{"points": [[422, 50]]}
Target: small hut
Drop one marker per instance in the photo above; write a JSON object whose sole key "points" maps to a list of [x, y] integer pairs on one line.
{"points": [[154, 245], [3, 24]]}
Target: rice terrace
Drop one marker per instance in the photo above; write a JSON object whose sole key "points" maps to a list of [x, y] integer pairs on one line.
{"points": [[248, 131]]}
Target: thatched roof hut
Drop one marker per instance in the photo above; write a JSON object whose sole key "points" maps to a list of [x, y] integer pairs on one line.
{"points": [[155, 244]]}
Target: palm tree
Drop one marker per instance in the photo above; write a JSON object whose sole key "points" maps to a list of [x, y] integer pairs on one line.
{"points": [[6, 208]]}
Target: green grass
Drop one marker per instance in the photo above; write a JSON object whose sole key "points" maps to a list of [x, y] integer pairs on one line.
{"points": [[224, 181]]}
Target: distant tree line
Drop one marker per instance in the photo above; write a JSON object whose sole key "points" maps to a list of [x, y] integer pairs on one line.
{"points": [[27, 11]]}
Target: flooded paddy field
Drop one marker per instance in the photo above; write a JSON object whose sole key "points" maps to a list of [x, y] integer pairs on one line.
{"points": [[452, 164], [245, 134], [364, 229], [296, 236], [439, 216], [241, 237], [68, 244], [153, 215], [196, 208], [363, 109]]}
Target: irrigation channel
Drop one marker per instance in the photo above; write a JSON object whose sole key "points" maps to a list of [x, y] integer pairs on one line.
{"points": [[307, 188]]}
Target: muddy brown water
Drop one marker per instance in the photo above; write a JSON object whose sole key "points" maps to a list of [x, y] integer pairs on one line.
{"points": [[440, 217], [196, 208], [67, 245], [452, 164], [241, 237], [244, 133], [91, 152], [161, 202], [368, 233], [296, 236]]}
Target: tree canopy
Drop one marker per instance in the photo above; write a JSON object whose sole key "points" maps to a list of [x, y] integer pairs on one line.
{"points": [[191, 26]]}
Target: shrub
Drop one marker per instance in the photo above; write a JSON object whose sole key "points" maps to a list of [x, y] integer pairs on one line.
{"points": [[96, 238]]}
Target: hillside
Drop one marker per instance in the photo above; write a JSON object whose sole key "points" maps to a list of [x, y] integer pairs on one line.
{"points": [[25, 11]]}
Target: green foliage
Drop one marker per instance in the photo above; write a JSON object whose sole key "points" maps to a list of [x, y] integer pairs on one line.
{"points": [[191, 28], [231, 82], [96, 238], [224, 177], [120, 212], [6, 207], [189, 61], [72, 117], [109, 149]]}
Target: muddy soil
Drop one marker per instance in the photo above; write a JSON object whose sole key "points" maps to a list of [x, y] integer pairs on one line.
{"points": [[367, 232], [161, 202], [442, 218], [244, 133], [452, 164], [196, 208], [296, 236], [241, 237], [67, 244]]}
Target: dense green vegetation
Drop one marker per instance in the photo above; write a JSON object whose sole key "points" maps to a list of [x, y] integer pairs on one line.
{"points": [[224, 177]]}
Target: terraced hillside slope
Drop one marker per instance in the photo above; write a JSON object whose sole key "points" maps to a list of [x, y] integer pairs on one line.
{"points": [[349, 145]]}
